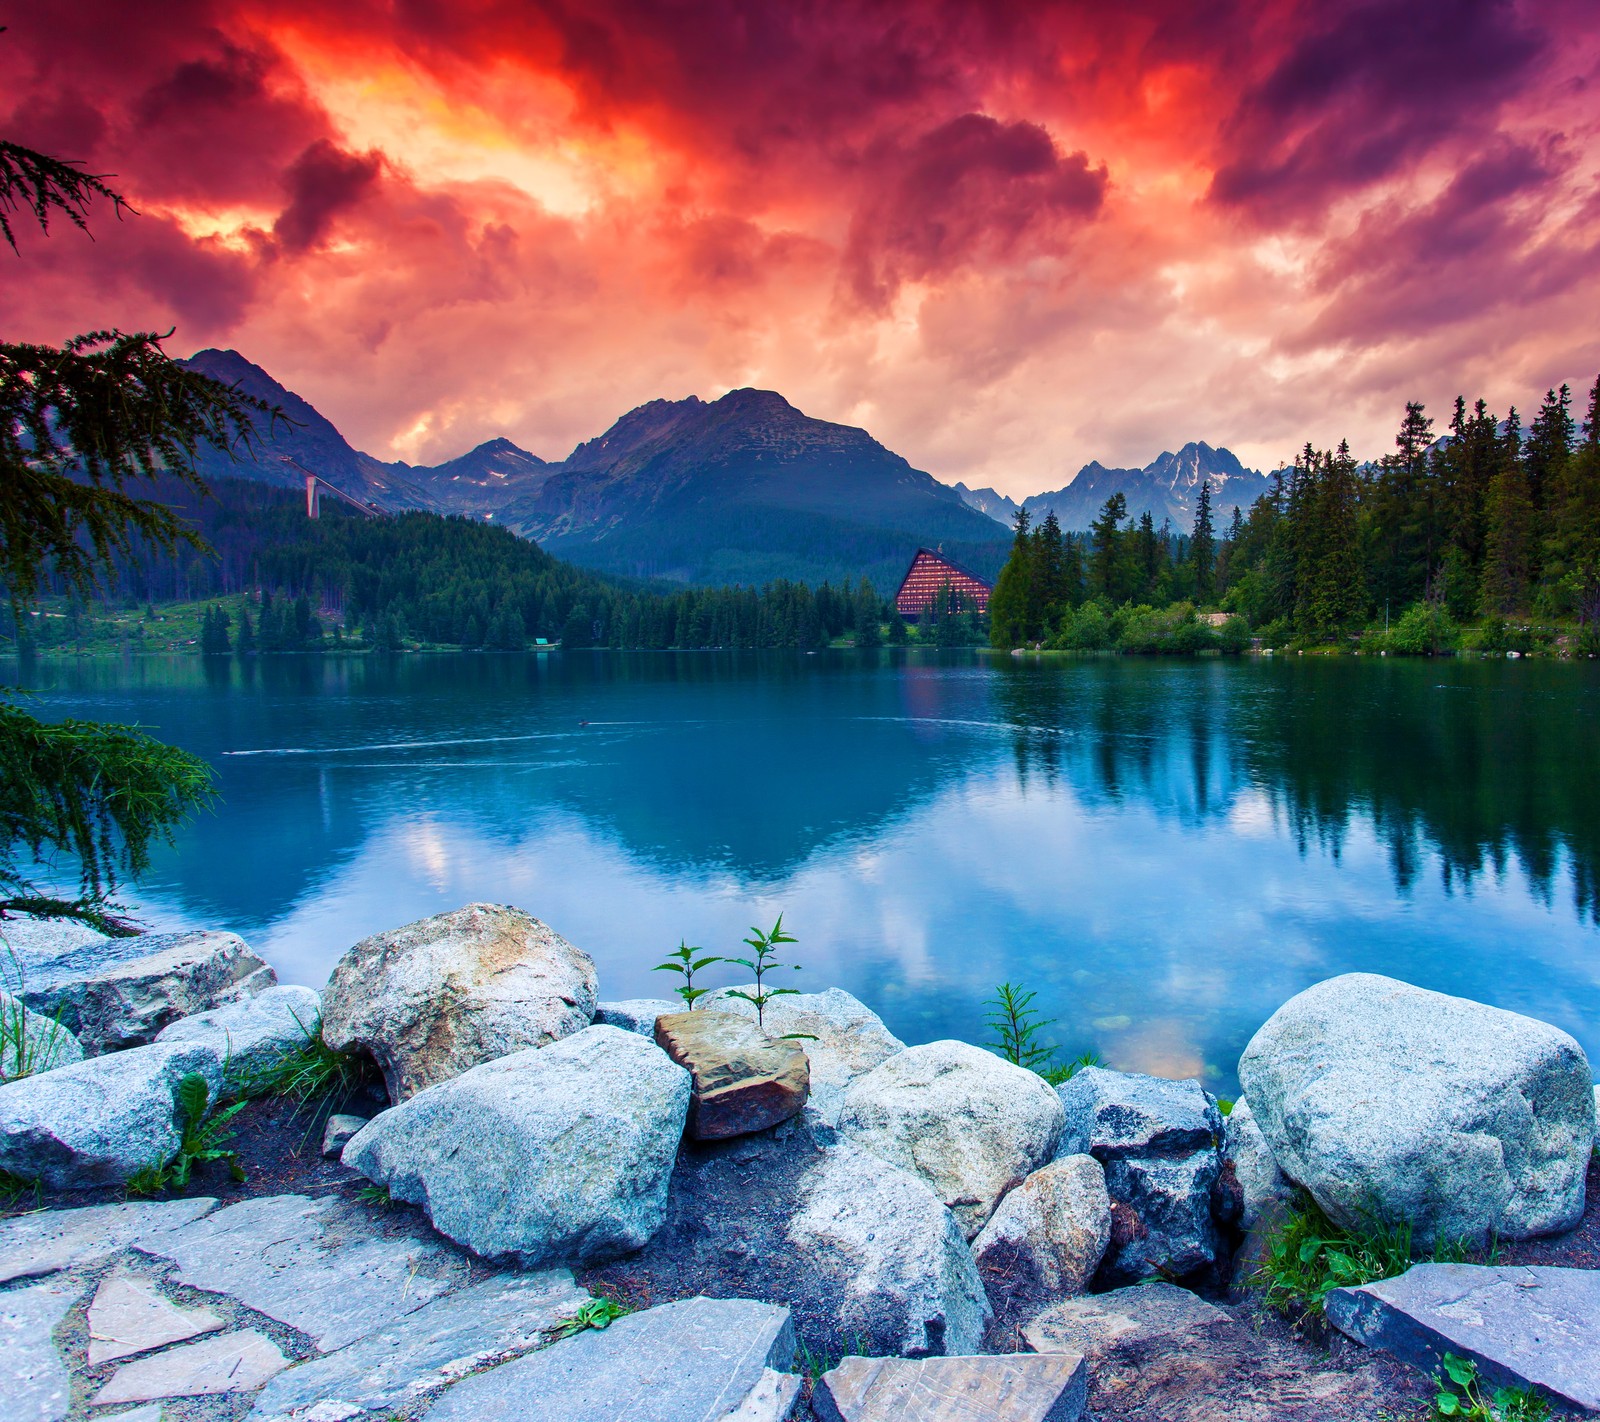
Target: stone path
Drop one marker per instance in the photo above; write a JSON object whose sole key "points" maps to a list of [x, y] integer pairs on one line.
{"points": [[289, 1308]]}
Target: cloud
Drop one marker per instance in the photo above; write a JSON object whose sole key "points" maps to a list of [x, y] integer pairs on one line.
{"points": [[322, 182]]}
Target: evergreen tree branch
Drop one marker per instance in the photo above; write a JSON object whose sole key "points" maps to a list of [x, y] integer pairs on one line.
{"points": [[42, 185]]}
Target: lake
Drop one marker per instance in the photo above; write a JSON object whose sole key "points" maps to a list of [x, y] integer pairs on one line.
{"points": [[1164, 850]]}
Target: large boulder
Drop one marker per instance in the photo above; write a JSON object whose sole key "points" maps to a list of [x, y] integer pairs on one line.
{"points": [[99, 1121], [1047, 1238], [31, 1042], [862, 1252], [446, 993], [248, 1037], [1391, 1103], [553, 1155], [964, 1120], [743, 1080], [842, 1037], [111, 1002], [1159, 1143]]}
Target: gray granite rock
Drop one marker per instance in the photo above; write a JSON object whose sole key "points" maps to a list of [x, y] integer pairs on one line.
{"points": [[42, 1243], [1048, 1236], [635, 1014], [31, 1042], [112, 1001], [431, 999], [1112, 1113], [741, 1080], [1523, 1326], [227, 1363], [774, 1398], [842, 1037], [131, 1315], [332, 1268], [34, 942], [1014, 1388], [248, 1036], [33, 1376], [556, 1155], [694, 1361], [1159, 1142], [1389, 1102], [403, 1360], [99, 1121], [1245, 1151], [969, 1123], [338, 1132], [862, 1253]]}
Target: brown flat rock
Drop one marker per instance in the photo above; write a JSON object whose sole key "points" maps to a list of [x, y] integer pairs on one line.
{"points": [[131, 1316], [744, 1080], [1017, 1387], [230, 1362]]}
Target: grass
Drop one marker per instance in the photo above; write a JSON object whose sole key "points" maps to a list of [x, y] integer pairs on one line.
{"points": [[23, 1053], [15, 1190], [1310, 1256], [304, 1073], [375, 1195]]}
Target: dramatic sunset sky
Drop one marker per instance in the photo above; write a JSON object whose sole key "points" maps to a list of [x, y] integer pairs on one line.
{"points": [[1005, 238]]}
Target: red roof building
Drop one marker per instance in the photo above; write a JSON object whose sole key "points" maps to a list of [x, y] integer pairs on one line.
{"points": [[930, 571]]}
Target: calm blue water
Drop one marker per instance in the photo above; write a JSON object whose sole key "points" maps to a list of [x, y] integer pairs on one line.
{"points": [[1164, 850]]}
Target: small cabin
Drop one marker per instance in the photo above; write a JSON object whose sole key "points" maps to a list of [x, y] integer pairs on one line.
{"points": [[930, 571]]}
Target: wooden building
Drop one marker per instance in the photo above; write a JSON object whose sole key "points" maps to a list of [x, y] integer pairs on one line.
{"points": [[930, 571]]}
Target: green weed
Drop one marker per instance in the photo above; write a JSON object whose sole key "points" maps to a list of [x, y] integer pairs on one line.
{"points": [[1309, 1257], [683, 962], [598, 1313], [375, 1195], [14, 1190], [305, 1073], [148, 1180], [21, 1054], [203, 1134], [763, 946], [1460, 1394], [1019, 1027]]}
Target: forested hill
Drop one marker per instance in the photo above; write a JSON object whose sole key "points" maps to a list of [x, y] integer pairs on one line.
{"points": [[422, 577]]}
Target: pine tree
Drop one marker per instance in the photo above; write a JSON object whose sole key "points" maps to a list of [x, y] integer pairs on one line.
{"points": [[246, 643], [1203, 547], [214, 633], [1549, 442], [1105, 542], [1508, 551], [1008, 604]]}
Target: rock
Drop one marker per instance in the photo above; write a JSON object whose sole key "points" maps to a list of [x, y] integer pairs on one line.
{"points": [[635, 1014], [37, 1386], [36, 941], [41, 1243], [338, 1133], [1393, 1103], [1158, 1141], [742, 1080], [1128, 1327], [30, 1042], [247, 1037], [439, 1343], [231, 1362], [1524, 1326], [863, 1253], [126, 1002], [446, 993], [1015, 1388], [969, 1123], [131, 1316], [847, 1038], [1048, 1236], [1245, 1150], [99, 1121], [694, 1361], [556, 1155], [328, 1267], [773, 1399], [1117, 1113]]}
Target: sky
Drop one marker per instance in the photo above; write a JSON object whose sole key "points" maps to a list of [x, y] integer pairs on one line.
{"points": [[1006, 239]]}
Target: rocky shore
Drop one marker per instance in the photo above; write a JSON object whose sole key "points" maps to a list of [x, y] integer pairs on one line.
{"points": [[539, 1204]]}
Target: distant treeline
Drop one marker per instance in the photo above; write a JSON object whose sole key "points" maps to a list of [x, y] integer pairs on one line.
{"points": [[1487, 523], [283, 582]]}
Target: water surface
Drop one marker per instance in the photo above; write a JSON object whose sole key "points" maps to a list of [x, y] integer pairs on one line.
{"points": [[1163, 850]]}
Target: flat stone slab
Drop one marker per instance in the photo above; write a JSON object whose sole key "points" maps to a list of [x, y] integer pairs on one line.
{"points": [[693, 1361], [32, 1375], [332, 1268], [1523, 1326], [744, 1080], [438, 1344], [31, 1245], [230, 1362], [131, 1316], [1125, 1323], [1017, 1387]]}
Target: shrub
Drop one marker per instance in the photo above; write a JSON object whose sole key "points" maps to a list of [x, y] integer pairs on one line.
{"points": [[1425, 629], [1172, 630], [1083, 629]]}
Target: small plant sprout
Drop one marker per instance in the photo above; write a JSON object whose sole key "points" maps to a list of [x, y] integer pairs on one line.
{"points": [[764, 947], [1015, 1021], [1460, 1394], [203, 1138], [683, 962], [598, 1313]]}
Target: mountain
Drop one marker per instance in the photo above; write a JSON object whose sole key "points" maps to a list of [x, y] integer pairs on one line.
{"points": [[483, 479], [997, 506], [1169, 487]]}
